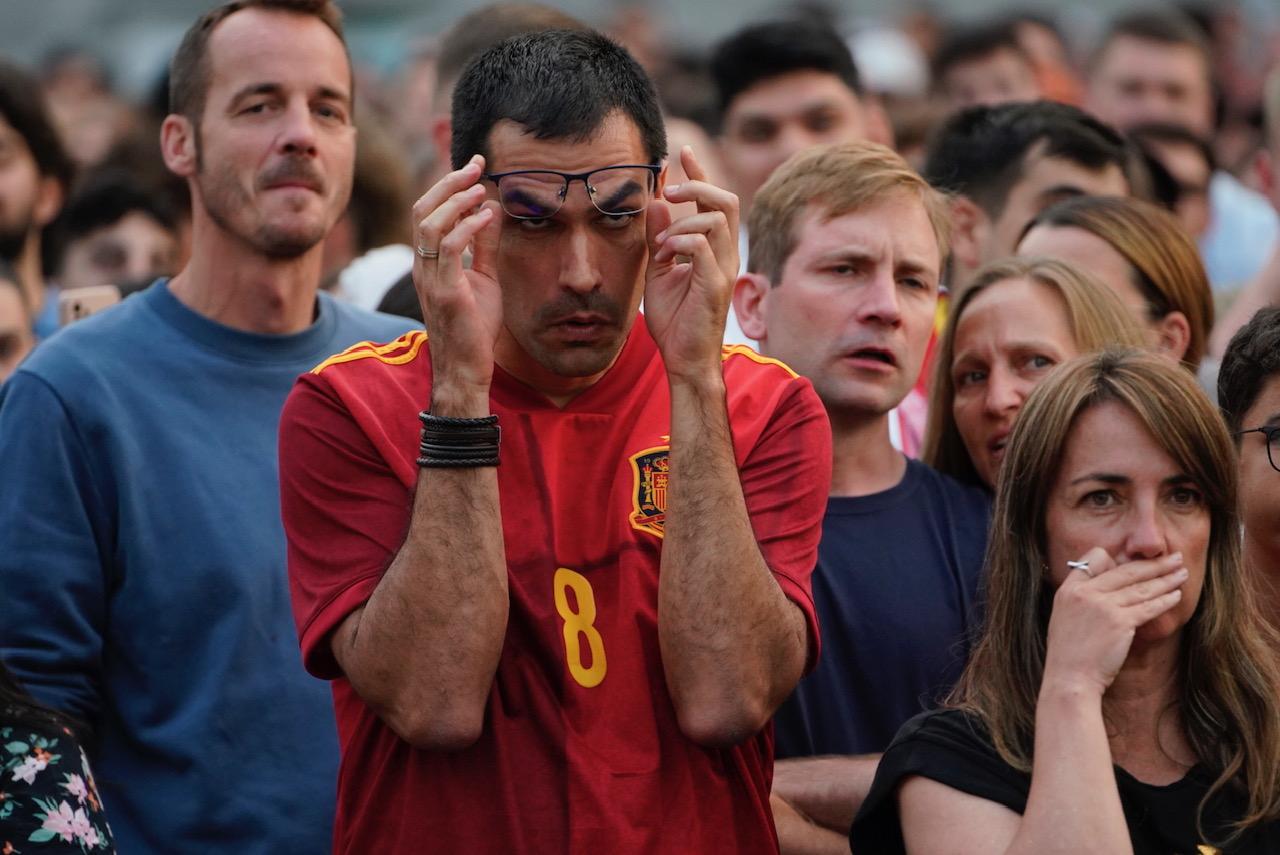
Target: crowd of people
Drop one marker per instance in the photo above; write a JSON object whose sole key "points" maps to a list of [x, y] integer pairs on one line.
{"points": [[765, 451]]}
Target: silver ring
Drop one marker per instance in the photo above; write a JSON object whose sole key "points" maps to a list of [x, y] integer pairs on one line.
{"points": [[1082, 566], [426, 253]]}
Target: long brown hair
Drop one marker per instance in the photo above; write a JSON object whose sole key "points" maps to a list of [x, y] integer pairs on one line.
{"points": [[1230, 680], [1165, 263], [1095, 314]]}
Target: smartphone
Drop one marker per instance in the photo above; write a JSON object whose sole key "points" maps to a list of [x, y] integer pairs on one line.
{"points": [[78, 303]]}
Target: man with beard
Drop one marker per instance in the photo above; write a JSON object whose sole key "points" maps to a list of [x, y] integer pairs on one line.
{"points": [[141, 548], [579, 649], [35, 173]]}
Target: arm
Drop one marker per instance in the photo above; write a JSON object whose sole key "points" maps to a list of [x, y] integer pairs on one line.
{"points": [[800, 835], [828, 790], [54, 536], [423, 650], [733, 645], [1073, 804]]}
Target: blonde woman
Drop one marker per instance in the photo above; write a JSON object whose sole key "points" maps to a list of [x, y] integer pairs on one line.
{"points": [[1016, 321], [1123, 697]]}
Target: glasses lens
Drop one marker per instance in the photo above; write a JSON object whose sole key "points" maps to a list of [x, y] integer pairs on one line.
{"points": [[621, 190], [1273, 448], [531, 195]]}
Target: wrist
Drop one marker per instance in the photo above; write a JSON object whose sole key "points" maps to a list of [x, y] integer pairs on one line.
{"points": [[460, 400], [706, 379], [1070, 692]]}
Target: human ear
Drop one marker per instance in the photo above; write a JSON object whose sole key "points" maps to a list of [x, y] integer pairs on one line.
{"points": [[749, 294], [970, 230], [1173, 335], [48, 200], [441, 131], [178, 145]]}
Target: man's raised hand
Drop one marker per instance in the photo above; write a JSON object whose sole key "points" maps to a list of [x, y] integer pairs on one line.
{"points": [[462, 308], [692, 266]]}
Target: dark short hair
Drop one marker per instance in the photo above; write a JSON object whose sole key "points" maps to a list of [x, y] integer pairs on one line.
{"points": [[23, 107], [100, 200], [557, 84], [189, 69], [1168, 27], [980, 151], [774, 48], [1252, 358], [481, 29], [975, 42]]}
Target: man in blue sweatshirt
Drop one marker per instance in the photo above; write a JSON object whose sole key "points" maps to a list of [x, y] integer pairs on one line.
{"points": [[142, 558]]}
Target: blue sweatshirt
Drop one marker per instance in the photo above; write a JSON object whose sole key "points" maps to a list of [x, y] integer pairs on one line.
{"points": [[142, 570]]}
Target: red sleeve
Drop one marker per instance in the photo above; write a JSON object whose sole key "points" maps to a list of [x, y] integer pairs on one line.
{"points": [[345, 515], [786, 480]]}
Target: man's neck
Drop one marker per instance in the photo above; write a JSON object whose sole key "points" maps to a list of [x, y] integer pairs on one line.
{"points": [[864, 461], [30, 274], [228, 282]]}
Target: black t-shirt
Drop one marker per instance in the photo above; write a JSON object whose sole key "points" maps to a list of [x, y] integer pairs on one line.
{"points": [[953, 748], [896, 591]]}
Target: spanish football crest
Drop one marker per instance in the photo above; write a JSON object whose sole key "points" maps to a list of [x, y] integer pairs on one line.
{"points": [[651, 468]]}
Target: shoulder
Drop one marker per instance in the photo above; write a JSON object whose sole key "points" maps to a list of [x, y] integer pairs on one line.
{"points": [[377, 377], [354, 321], [126, 331], [954, 748], [760, 385]]}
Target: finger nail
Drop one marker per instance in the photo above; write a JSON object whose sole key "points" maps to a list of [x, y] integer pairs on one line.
{"points": [[1175, 558], [1182, 573], [661, 236], [673, 188]]}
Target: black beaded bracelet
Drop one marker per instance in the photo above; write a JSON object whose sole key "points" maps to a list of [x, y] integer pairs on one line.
{"points": [[448, 441]]}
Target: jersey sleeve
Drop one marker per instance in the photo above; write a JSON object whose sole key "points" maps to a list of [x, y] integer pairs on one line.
{"points": [[345, 515], [785, 481], [56, 537], [947, 746]]}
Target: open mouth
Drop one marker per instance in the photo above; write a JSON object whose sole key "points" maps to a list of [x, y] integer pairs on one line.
{"points": [[874, 354]]}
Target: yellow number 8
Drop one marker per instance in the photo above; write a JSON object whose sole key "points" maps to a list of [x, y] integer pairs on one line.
{"points": [[580, 623]]}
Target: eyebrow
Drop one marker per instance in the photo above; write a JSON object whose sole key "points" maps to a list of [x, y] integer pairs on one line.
{"points": [[623, 192], [275, 89], [1273, 420], [1113, 478]]}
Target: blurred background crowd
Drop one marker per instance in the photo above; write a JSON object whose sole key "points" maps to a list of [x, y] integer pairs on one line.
{"points": [[123, 217]]}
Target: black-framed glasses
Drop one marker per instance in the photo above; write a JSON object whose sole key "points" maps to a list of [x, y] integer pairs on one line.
{"points": [[1272, 434], [536, 194]]}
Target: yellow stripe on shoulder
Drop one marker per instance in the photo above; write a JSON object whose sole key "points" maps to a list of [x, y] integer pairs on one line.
{"points": [[729, 350], [411, 343]]}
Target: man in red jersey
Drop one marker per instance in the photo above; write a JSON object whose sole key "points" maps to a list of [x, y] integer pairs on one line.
{"points": [[578, 650]]}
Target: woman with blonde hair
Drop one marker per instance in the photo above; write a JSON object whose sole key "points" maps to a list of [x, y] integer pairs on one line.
{"points": [[1125, 693], [1144, 255], [1016, 321]]}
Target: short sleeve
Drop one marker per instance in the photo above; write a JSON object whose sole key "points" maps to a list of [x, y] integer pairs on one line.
{"points": [[785, 481], [345, 515], [947, 746], [56, 536]]}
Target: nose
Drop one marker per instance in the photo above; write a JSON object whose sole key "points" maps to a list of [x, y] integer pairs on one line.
{"points": [[298, 135], [879, 303], [1145, 537], [1005, 393], [577, 264]]}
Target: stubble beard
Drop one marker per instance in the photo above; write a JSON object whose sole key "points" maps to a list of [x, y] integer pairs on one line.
{"points": [[221, 195]]}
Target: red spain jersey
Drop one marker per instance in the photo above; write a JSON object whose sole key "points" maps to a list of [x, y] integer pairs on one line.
{"points": [[580, 751]]}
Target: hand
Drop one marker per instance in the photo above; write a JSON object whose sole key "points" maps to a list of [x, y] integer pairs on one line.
{"points": [[462, 308], [1094, 618], [686, 302]]}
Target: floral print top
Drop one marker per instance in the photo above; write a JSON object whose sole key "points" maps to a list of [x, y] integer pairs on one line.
{"points": [[48, 800]]}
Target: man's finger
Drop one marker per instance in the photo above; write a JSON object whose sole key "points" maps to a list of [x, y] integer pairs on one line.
{"points": [[438, 223], [657, 220], [459, 179], [692, 168], [708, 197], [484, 244], [455, 243]]}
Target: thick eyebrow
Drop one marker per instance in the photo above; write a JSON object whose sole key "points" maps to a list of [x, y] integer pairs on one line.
{"points": [[823, 103], [623, 192], [1273, 420], [1062, 191]]}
